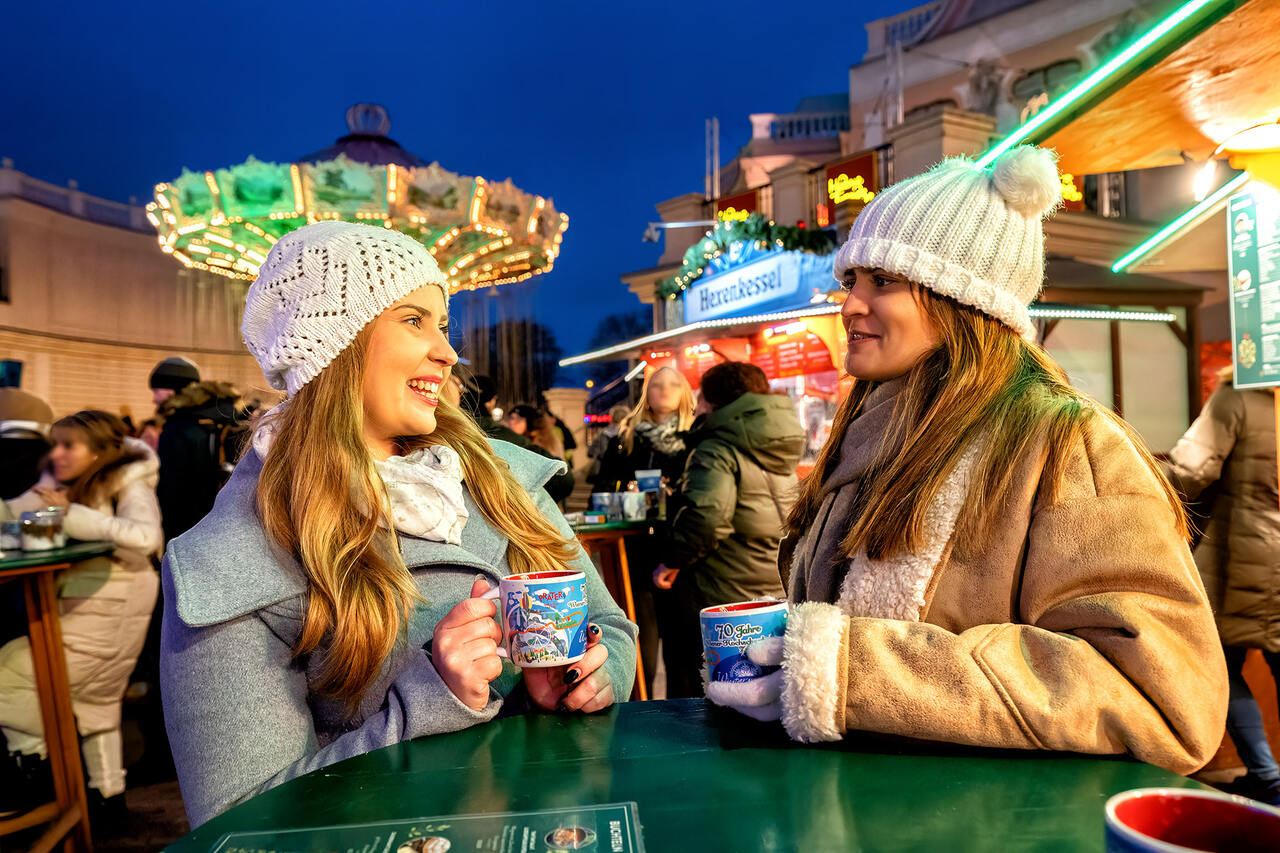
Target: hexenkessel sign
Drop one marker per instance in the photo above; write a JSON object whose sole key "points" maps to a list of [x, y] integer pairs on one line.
{"points": [[778, 281]]}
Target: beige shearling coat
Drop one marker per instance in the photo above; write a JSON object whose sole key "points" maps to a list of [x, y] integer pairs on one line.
{"points": [[1080, 625]]}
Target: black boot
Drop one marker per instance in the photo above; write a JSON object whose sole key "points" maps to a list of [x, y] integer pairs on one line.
{"points": [[109, 816], [27, 782]]}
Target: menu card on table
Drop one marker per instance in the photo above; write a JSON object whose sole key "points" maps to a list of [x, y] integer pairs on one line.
{"points": [[608, 828]]}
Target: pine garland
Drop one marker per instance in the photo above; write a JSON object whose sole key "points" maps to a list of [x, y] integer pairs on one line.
{"points": [[754, 229]]}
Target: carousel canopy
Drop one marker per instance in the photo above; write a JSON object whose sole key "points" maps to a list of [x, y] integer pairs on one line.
{"points": [[481, 233]]}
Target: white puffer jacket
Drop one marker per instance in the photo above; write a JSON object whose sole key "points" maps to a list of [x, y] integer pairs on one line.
{"points": [[106, 603]]}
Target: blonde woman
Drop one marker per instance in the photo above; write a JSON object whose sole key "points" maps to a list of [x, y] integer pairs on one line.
{"points": [[106, 483], [651, 437], [331, 602], [983, 555]]}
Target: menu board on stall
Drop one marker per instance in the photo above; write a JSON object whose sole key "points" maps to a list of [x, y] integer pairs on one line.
{"points": [[612, 828], [1253, 263], [796, 353]]}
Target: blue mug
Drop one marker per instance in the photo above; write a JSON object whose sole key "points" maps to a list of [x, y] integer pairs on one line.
{"points": [[543, 617], [727, 630]]}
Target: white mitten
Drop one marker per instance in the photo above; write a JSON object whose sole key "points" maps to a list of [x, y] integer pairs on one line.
{"points": [[758, 698]]}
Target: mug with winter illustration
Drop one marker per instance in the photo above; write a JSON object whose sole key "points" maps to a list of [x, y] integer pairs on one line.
{"points": [[543, 617]]}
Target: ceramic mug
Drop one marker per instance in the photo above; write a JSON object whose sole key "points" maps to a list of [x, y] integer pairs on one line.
{"points": [[727, 630], [635, 505], [1174, 820], [543, 616]]}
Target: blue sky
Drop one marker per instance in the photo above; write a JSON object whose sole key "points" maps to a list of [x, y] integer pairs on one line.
{"points": [[597, 105]]}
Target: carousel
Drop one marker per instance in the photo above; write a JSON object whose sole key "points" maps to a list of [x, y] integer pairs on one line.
{"points": [[481, 233]]}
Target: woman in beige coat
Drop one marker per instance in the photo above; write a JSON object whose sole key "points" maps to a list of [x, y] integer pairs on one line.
{"points": [[982, 555], [106, 482], [1227, 459]]}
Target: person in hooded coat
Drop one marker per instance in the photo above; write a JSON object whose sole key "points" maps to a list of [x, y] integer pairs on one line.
{"points": [[739, 485]]}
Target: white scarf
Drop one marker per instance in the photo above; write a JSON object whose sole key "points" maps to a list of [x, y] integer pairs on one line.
{"points": [[423, 488]]}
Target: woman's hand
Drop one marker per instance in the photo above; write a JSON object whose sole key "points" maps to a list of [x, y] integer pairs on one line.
{"points": [[52, 497], [664, 578], [582, 686], [464, 649]]}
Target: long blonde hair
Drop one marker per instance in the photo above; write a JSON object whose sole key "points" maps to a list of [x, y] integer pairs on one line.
{"points": [[983, 384], [641, 412], [321, 500]]}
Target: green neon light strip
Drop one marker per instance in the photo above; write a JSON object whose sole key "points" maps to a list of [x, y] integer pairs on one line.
{"points": [[1093, 80], [1189, 217]]}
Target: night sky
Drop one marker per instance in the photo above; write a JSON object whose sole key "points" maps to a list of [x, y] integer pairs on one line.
{"points": [[599, 106]]}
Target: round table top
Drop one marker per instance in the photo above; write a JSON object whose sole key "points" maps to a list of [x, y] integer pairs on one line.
{"points": [[704, 778], [613, 526], [74, 552]]}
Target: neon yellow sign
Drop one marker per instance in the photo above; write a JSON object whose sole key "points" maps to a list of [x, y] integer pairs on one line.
{"points": [[1069, 191], [732, 214], [843, 188]]}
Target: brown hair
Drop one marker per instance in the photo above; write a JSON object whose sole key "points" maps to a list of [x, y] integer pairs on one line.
{"points": [[104, 434], [984, 384], [627, 431], [320, 499], [729, 380], [543, 432]]}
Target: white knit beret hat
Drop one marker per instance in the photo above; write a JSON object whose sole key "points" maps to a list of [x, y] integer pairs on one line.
{"points": [[972, 234], [319, 286]]}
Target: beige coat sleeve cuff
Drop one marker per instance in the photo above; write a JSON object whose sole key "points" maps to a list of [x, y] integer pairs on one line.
{"points": [[815, 663]]}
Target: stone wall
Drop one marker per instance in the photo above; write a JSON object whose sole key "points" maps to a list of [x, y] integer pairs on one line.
{"points": [[92, 307]]}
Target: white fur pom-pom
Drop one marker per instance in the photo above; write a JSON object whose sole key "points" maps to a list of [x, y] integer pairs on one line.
{"points": [[1027, 177]]}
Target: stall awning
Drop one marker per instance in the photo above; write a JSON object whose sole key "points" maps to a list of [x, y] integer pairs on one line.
{"points": [[1073, 290], [728, 326], [1219, 79], [1203, 65]]}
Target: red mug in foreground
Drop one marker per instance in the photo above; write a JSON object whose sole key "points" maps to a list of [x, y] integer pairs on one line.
{"points": [[1177, 820]]}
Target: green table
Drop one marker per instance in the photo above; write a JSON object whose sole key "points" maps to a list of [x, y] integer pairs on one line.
{"points": [[67, 815], [634, 526], [706, 779], [73, 553]]}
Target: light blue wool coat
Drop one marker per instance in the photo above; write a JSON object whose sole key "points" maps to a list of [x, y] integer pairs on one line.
{"points": [[240, 711]]}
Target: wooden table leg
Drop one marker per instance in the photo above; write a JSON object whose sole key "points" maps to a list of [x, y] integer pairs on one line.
{"points": [[625, 570], [54, 694]]}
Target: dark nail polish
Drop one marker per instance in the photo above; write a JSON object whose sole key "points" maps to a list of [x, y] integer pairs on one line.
{"points": [[595, 630], [571, 676]]}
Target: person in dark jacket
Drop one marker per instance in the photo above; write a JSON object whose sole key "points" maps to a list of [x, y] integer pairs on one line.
{"points": [[739, 484], [24, 440], [650, 438], [201, 438], [479, 395], [170, 376], [25, 421], [1227, 460]]}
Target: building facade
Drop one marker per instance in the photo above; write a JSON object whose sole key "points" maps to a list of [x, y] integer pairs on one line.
{"points": [[950, 78], [89, 304]]}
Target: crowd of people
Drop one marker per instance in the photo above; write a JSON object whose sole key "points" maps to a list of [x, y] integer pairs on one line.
{"points": [[982, 555]]}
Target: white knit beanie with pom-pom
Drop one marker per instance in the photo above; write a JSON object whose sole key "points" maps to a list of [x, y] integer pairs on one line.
{"points": [[319, 286], [975, 235]]}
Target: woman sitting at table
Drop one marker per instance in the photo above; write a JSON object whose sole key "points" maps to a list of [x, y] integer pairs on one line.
{"points": [[983, 554], [106, 483], [331, 602]]}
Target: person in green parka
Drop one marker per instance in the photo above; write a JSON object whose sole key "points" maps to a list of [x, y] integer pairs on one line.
{"points": [[738, 487]]}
